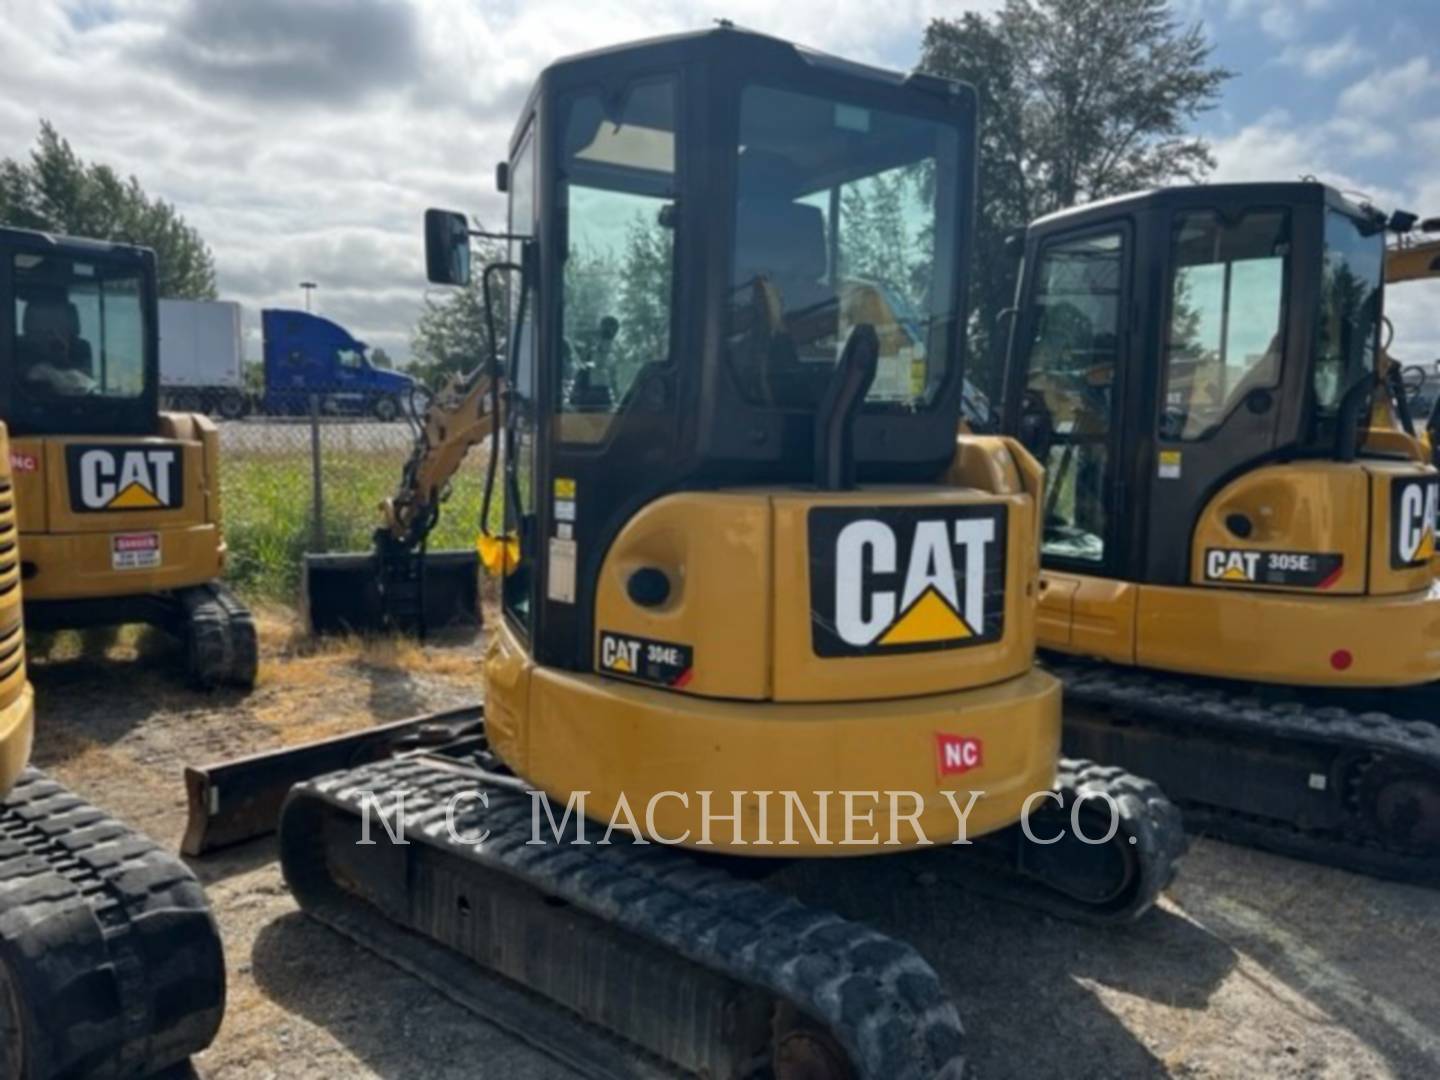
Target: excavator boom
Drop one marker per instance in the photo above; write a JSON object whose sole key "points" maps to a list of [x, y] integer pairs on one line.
{"points": [[398, 584]]}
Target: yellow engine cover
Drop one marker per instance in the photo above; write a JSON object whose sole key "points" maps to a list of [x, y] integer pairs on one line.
{"points": [[1333, 586], [118, 516], [812, 643]]}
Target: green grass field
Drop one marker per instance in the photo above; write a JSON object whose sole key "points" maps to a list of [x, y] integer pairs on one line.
{"points": [[266, 497]]}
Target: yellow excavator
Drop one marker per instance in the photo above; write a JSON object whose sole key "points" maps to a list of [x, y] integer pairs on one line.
{"points": [[118, 503], [758, 602], [110, 962], [1239, 523]]}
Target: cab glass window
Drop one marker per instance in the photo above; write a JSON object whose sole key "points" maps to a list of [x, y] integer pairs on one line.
{"points": [[350, 358], [1349, 307], [1073, 355], [844, 215], [518, 444], [79, 329], [1225, 333], [618, 193]]}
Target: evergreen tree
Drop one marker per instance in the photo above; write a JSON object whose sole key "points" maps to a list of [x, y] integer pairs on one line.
{"points": [[55, 191]]}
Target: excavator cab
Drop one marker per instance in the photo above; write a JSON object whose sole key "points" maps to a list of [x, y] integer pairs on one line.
{"points": [[1196, 367]]}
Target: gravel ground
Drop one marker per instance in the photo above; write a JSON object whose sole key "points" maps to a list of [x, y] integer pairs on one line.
{"points": [[1253, 966]]}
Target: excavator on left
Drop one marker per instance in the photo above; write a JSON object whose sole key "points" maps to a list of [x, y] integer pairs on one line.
{"points": [[110, 962], [118, 503]]}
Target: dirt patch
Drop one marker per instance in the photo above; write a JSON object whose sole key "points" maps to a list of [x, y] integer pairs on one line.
{"points": [[1254, 965]]}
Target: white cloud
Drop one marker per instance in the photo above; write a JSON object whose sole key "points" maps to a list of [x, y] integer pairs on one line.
{"points": [[305, 140], [1276, 147], [1386, 90], [1318, 61], [1283, 19]]}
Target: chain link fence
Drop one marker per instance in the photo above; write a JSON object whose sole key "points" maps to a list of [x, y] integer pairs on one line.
{"points": [[291, 485]]}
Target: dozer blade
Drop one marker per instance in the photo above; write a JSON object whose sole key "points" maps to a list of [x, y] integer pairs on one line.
{"points": [[365, 594], [235, 801]]}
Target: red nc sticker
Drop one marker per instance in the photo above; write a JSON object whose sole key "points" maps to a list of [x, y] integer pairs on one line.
{"points": [[959, 753]]}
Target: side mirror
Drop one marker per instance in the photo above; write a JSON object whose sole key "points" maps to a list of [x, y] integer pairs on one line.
{"points": [[447, 248]]}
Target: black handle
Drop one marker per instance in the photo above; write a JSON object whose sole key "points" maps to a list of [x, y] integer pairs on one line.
{"points": [[839, 405]]}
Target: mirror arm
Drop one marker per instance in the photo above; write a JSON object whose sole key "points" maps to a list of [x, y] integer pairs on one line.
{"points": [[509, 237]]}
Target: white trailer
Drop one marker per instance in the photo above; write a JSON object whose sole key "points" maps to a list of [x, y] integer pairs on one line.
{"points": [[201, 367]]}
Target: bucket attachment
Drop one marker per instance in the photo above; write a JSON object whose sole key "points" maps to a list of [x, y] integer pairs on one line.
{"points": [[403, 592]]}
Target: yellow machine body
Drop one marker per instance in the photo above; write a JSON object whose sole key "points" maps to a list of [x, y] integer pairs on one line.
{"points": [[17, 701], [1361, 534], [910, 735], [138, 515]]}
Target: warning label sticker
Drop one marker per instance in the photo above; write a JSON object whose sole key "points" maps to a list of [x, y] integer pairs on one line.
{"points": [[135, 551]]}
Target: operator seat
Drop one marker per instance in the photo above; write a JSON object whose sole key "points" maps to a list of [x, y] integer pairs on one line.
{"points": [[780, 264], [50, 343]]}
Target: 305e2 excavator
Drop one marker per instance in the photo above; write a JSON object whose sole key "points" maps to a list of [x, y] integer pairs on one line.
{"points": [[118, 503], [1236, 559], [747, 567], [110, 962]]}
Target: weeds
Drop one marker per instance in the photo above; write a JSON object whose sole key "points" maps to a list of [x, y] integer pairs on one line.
{"points": [[266, 496]]}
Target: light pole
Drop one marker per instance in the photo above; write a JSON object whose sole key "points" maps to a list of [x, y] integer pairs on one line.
{"points": [[309, 287]]}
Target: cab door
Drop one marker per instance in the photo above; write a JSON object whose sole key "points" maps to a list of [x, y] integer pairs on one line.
{"points": [[1219, 355], [593, 428], [1072, 341]]}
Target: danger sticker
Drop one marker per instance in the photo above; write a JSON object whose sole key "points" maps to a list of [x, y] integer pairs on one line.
{"points": [[1170, 463], [135, 551], [959, 753]]}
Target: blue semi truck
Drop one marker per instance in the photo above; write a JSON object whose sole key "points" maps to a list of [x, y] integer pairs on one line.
{"points": [[307, 356]]}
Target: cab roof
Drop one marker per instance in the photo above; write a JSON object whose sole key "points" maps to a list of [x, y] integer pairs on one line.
{"points": [[37, 241], [1187, 196], [724, 43]]}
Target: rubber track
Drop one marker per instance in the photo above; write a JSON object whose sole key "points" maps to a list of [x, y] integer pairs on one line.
{"points": [[107, 937], [1167, 702], [878, 998], [1146, 815], [220, 637], [1149, 833]]}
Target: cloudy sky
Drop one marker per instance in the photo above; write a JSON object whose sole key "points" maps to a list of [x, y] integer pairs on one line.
{"points": [[306, 139]]}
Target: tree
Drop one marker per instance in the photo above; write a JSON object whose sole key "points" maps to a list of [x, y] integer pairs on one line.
{"points": [[451, 335], [645, 297], [381, 359], [1079, 100], [55, 191]]}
